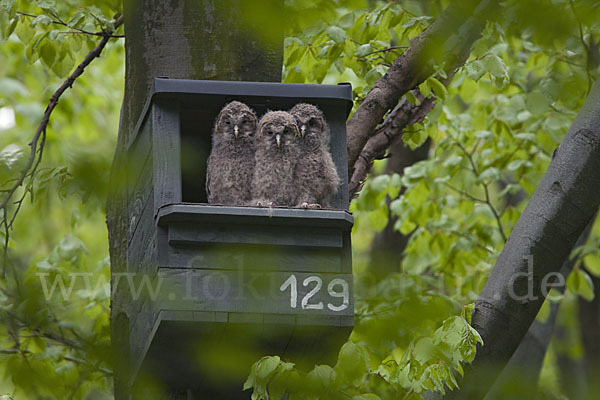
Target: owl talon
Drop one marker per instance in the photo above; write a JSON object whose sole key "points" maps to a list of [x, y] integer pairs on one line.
{"points": [[264, 203], [309, 205]]}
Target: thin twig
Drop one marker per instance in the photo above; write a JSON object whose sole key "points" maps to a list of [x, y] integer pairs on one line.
{"points": [[40, 135], [58, 21], [465, 194], [6, 236], [387, 49], [83, 362], [486, 191]]}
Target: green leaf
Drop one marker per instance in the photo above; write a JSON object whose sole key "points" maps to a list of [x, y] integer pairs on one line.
{"points": [[363, 50], [495, 66], [62, 67], [45, 3], [438, 88], [321, 378], [41, 19], [375, 74], [6, 5], [48, 53], [7, 26], [515, 165], [580, 283], [24, 31], [353, 362], [544, 312], [425, 88], [411, 97], [347, 21], [266, 367], [378, 218], [537, 103], [337, 34], [475, 70], [424, 350], [592, 264], [415, 136], [76, 19]]}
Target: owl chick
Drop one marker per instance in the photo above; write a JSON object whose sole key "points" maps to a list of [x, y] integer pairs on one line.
{"points": [[315, 175], [230, 166], [276, 155]]}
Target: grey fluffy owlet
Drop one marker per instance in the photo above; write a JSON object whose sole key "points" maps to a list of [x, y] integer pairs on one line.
{"points": [[230, 166], [276, 155], [315, 174]]}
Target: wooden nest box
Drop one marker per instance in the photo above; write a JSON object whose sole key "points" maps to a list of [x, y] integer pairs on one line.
{"points": [[246, 281]]}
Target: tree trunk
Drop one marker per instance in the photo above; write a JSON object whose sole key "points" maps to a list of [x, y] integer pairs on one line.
{"points": [[519, 378], [563, 204], [189, 39]]}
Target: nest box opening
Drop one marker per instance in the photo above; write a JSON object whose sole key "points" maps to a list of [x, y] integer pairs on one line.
{"points": [[196, 105]]}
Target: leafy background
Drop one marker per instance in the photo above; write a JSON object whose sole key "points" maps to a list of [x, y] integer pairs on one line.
{"points": [[490, 138]]}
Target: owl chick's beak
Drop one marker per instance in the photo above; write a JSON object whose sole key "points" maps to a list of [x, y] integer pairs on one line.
{"points": [[278, 138], [302, 130], [236, 131]]}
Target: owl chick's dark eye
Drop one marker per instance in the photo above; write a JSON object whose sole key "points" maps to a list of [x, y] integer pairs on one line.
{"points": [[312, 122], [270, 132], [227, 122]]}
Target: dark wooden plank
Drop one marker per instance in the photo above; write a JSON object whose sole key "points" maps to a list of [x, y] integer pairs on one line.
{"points": [[138, 157], [280, 216], [337, 125], [261, 258], [253, 292], [181, 233], [142, 332], [140, 208], [166, 149], [140, 241]]}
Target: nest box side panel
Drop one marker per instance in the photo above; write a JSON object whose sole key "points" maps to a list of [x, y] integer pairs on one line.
{"points": [[166, 145], [336, 119]]}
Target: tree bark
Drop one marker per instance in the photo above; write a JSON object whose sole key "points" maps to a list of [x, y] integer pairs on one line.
{"points": [[562, 206], [519, 378], [188, 39]]}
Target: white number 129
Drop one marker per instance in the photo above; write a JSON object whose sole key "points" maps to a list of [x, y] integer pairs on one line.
{"points": [[343, 293]]}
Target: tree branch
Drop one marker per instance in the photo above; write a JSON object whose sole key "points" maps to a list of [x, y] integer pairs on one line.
{"points": [[446, 42], [403, 115], [40, 136]]}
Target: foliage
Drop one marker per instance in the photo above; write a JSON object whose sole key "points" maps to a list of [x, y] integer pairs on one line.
{"points": [[55, 347], [493, 134]]}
